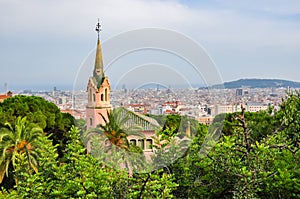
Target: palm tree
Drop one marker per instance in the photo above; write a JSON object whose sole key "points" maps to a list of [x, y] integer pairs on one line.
{"points": [[118, 126], [22, 138]]}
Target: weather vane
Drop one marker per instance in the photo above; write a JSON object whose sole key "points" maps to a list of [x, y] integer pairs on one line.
{"points": [[98, 28]]}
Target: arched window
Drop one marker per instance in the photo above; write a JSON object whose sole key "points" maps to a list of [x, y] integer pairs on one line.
{"points": [[91, 121], [141, 144], [90, 94], [94, 97], [149, 144], [101, 97], [105, 91], [133, 142]]}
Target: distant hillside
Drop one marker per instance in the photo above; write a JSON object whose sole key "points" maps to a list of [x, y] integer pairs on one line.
{"points": [[260, 83]]}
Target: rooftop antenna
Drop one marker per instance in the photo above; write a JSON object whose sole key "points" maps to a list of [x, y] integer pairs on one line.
{"points": [[5, 88], [98, 28]]}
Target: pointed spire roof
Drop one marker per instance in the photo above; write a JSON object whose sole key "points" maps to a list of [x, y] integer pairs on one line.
{"points": [[98, 74]]}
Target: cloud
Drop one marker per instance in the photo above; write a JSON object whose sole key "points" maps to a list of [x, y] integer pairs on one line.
{"points": [[231, 21], [67, 17], [59, 33], [277, 7]]}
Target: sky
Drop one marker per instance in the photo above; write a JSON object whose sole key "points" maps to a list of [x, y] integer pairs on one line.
{"points": [[45, 43]]}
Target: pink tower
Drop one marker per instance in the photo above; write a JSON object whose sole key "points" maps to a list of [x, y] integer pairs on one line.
{"points": [[98, 89]]}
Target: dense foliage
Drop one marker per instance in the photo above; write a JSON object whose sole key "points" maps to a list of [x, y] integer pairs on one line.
{"points": [[256, 156], [41, 112]]}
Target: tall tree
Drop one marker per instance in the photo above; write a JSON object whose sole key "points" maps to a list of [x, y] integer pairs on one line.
{"points": [[41, 112]]}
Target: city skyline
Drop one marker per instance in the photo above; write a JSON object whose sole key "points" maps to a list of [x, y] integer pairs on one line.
{"points": [[245, 39]]}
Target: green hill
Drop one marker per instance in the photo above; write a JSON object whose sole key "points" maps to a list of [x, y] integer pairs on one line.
{"points": [[260, 83]]}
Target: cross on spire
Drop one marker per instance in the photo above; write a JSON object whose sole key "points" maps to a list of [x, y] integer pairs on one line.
{"points": [[98, 28], [98, 69]]}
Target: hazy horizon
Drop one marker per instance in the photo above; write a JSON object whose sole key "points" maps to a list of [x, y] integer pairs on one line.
{"points": [[69, 87]]}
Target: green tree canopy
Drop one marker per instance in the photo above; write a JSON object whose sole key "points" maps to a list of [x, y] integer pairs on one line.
{"points": [[41, 112]]}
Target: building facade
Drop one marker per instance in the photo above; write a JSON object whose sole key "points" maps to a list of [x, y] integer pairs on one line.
{"points": [[99, 105]]}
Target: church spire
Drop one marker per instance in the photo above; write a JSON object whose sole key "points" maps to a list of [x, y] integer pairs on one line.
{"points": [[98, 69]]}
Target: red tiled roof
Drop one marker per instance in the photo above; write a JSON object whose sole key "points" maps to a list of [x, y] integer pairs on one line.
{"points": [[72, 112], [3, 97]]}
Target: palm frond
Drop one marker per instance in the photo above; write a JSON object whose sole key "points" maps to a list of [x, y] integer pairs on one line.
{"points": [[2, 171], [20, 138]]}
